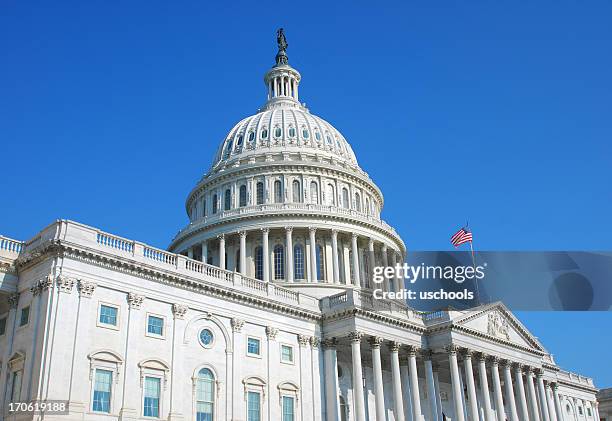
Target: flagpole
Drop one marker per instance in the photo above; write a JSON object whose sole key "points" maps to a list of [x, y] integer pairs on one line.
{"points": [[475, 278]]}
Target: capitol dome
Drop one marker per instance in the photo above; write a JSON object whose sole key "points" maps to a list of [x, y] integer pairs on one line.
{"points": [[285, 200]]}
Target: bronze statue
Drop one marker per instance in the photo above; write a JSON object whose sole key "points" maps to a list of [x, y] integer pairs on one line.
{"points": [[281, 40]]}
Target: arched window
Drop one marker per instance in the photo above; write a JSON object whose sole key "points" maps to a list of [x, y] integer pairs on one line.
{"points": [[318, 136], [314, 193], [291, 132], [215, 203], [296, 191], [259, 262], [279, 262], [345, 198], [278, 192], [260, 192], [228, 149], [264, 133], [278, 132], [205, 395], [204, 207], [243, 195], [305, 133], [330, 195], [239, 142], [251, 136], [320, 263], [228, 200], [357, 202], [298, 261]]}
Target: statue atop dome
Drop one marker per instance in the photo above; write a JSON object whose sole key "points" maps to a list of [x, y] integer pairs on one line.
{"points": [[281, 56]]}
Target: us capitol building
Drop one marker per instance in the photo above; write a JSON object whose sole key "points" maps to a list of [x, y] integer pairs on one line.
{"points": [[262, 306]]}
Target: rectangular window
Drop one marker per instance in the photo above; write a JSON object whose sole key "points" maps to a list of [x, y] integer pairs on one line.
{"points": [[151, 396], [108, 315], [286, 353], [253, 346], [155, 325], [253, 406], [16, 386], [288, 408], [2, 326], [102, 391], [25, 316]]}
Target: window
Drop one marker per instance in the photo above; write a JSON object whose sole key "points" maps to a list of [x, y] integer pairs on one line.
{"points": [[291, 132], [367, 206], [331, 195], [298, 261], [253, 406], [305, 134], [296, 191], [151, 396], [237, 260], [16, 385], [328, 139], [155, 325], [108, 315], [357, 202], [239, 142], [243, 196], [25, 316], [260, 193], [259, 262], [205, 396], [2, 326], [345, 199], [264, 133], [320, 263], [102, 391], [580, 410], [287, 354], [589, 412], [206, 338], [278, 132], [318, 136], [279, 262], [215, 203], [228, 149], [204, 207], [288, 408], [314, 193], [228, 199], [251, 136], [278, 192], [253, 346]]}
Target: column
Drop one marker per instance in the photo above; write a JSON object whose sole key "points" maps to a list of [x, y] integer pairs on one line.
{"points": [[551, 403], [313, 255], [455, 383], [395, 281], [431, 386], [385, 262], [497, 392], [436, 378], [406, 390], [335, 261], [520, 389], [533, 403], [266, 254], [243, 235], [332, 406], [221, 251], [205, 251], [372, 259], [355, 338], [414, 384], [379, 394], [471, 385], [355, 267], [289, 253], [558, 408], [510, 392], [542, 395], [190, 252], [398, 399], [484, 386]]}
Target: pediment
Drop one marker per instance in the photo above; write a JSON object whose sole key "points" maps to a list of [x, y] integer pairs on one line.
{"points": [[497, 322]]}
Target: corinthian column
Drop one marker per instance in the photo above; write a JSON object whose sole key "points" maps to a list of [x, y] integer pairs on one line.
{"points": [[520, 389], [355, 267], [484, 386], [243, 235], [335, 261], [266, 254], [357, 376], [471, 385], [313, 255], [331, 380], [555, 387], [385, 262], [414, 384], [431, 386], [533, 401], [222, 251], [510, 392], [372, 258], [551, 403], [455, 382], [542, 395], [398, 399], [497, 392], [379, 394], [289, 253]]}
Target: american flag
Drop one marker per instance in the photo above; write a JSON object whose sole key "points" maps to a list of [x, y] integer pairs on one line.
{"points": [[462, 236]]}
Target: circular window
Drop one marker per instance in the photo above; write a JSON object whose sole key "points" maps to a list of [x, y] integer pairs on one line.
{"points": [[206, 338]]}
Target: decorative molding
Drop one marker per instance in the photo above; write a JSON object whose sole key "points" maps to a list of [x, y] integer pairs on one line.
{"points": [[330, 343], [314, 342], [375, 341], [394, 346], [86, 288], [179, 311], [497, 325], [236, 324], [412, 350], [42, 285], [13, 300], [271, 333], [452, 349], [65, 284], [303, 340], [135, 300], [355, 336]]}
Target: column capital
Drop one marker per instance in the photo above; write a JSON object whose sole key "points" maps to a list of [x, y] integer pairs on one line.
{"points": [[394, 346], [221, 237], [242, 234], [384, 248], [467, 353], [179, 311], [86, 288], [135, 300], [314, 342], [528, 370], [355, 336], [494, 360], [13, 299], [334, 232], [354, 236], [538, 372], [265, 230], [329, 343], [237, 324], [554, 386], [452, 349], [271, 332], [427, 354], [412, 350], [505, 363], [375, 341], [289, 229], [312, 230], [370, 243]]}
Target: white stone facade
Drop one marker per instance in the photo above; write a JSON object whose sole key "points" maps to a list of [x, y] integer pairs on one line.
{"points": [[124, 331]]}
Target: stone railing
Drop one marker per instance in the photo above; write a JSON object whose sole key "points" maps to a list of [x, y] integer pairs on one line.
{"points": [[574, 378], [109, 244], [271, 208], [10, 248]]}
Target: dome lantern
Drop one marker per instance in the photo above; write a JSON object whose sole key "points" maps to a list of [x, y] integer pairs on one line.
{"points": [[282, 80]]}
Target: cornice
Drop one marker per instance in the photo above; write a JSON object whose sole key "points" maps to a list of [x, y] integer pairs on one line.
{"points": [[371, 315]]}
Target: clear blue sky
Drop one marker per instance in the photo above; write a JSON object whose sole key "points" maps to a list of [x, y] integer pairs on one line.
{"points": [[496, 112]]}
